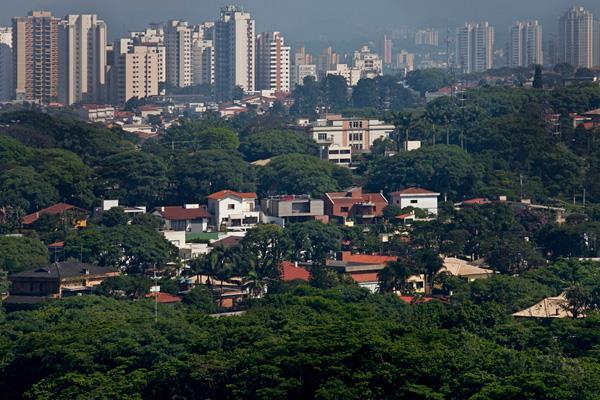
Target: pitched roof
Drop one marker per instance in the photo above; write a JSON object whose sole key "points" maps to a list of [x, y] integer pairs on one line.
{"points": [[414, 191], [551, 307], [55, 209], [415, 299], [458, 267], [366, 258], [225, 193], [227, 242], [364, 277], [182, 213], [65, 270], [291, 272], [164, 298]]}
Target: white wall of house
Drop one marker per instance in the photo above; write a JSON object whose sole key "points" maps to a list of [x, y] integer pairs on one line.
{"points": [[232, 208], [428, 202]]}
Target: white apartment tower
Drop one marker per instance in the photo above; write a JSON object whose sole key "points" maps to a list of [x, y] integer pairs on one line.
{"points": [[178, 46], [7, 89], [525, 44], [475, 47], [272, 63], [576, 37], [82, 60], [597, 43], [234, 52]]}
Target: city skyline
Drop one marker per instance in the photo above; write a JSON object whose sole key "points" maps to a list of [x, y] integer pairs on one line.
{"points": [[300, 23]]}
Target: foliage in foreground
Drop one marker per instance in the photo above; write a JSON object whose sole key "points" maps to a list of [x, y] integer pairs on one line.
{"points": [[301, 343]]}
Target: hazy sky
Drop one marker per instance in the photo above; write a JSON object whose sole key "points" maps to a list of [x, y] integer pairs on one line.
{"points": [[310, 19]]}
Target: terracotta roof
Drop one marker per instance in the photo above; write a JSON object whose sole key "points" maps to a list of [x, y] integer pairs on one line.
{"points": [[225, 193], [165, 298], [52, 210], [363, 277], [411, 299], [182, 213], [367, 258], [57, 245], [477, 201], [413, 190], [290, 272]]}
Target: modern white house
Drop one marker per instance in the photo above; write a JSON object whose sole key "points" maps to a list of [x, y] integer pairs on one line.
{"points": [[191, 218], [234, 210], [417, 198]]}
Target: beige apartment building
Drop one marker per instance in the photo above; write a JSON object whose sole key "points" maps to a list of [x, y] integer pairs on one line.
{"points": [[342, 139], [82, 60], [35, 56], [135, 72], [7, 90]]}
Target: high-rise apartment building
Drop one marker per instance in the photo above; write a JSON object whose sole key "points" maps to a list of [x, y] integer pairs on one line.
{"points": [[475, 47], [597, 43], [35, 56], [135, 71], [154, 39], [327, 60], [82, 59], [429, 37], [178, 46], [272, 63], [235, 52], [576, 38], [368, 62], [387, 50], [7, 90], [203, 54], [405, 61], [525, 44]]}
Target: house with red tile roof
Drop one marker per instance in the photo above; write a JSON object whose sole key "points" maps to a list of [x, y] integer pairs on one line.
{"points": [[416, 198], [233, 210], [364, 269], [164, 298], [354, 205], [290, 271], [193, 218], [60, 209]]}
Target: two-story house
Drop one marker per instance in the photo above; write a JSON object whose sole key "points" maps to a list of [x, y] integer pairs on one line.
{"points": [[54, 281], [294, 208], [191, 218], [354, 205], [416, 198], [233, 210]]}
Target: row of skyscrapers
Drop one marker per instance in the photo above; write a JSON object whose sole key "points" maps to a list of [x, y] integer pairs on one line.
{"points": [[70, 60], [578, 43]]}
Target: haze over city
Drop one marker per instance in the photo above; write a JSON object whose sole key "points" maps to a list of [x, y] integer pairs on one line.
{"points": [[310, 20]]}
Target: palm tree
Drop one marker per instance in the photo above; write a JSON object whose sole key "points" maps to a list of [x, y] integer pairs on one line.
{"points": [[403, 121], [394, 276], [428, 262], [207, 265]]}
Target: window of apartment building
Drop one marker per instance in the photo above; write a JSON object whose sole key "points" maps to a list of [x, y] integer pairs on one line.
{"points": [[230, 206], [355, 136], [322, 136], [356, 124], [414, 201]]}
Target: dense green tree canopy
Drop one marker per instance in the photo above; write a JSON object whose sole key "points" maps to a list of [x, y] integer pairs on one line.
{"points": [[447, 170], [301, 174], [21, 253], [266, 144]]}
